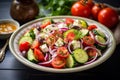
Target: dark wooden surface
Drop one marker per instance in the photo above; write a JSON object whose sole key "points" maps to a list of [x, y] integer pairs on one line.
{"points": [[12, 69]]}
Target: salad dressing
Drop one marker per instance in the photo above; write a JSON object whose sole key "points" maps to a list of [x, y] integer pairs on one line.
{"points": [[7, 27]]}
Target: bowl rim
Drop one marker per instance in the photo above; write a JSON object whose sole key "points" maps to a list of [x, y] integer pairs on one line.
{"points": [[102, 59], [16, 23]]}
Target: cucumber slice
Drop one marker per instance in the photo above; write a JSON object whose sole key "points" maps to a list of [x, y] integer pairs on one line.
{"points": [[83, 23], [98, 32], [30, 33], [26, 38], [70, 61], [100, 39], [30, 56], [100, 47], [27, 34], [80, 55], [84, 32]]}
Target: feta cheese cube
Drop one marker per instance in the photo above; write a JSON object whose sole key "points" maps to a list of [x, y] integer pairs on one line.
{"points": [[44, 48]]}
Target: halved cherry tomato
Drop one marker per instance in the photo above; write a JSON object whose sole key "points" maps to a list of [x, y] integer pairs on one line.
{"points": [[45, 24], [38, 54], [24, 46], [87, 40], [69, 21], [70, 36], [51, 40], [62, 52], [92, 52], [35, 44], [58, 62], [57, 33], [91, 27]]}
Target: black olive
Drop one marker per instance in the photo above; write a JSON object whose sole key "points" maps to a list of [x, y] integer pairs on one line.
{"points": [[38, 28], [75, 27]]}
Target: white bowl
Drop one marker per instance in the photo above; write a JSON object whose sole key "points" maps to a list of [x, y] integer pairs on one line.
{"points": [[13, 45], [8, 34]]}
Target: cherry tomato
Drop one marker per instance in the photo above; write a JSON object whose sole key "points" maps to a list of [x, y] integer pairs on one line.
{"points": [[88, 41], [91, 27], [70, 36], [62, 52], [79, 9], [57, 33], [108, 17], [38, 54], [35, 44], [92, 52], [24, 46], [69, 21], [58, 62], [45, 24], [51, 40]]}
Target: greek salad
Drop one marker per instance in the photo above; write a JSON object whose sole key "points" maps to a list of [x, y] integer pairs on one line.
{"points": [[63, 43]]}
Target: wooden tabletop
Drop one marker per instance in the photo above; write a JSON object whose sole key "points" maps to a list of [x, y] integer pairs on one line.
{"points": [[12, 69]]}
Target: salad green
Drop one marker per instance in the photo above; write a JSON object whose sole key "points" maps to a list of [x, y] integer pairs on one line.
{"points": [[55, 7]]}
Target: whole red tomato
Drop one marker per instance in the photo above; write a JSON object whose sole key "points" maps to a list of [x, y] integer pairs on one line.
{"points": [[89, 3], [79, 9], [108, 17], [96, 9]]}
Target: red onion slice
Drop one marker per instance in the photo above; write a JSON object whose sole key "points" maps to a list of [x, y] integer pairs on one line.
{"points": [[52, 51], [63, 29], [46, 63], [81, 44], [46, 58], [89, 47], [107, 42], [69, 44], [92, 59], [92, 35]]}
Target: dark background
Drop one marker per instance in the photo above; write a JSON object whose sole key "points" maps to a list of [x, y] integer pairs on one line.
{"points": [[12, 69]]}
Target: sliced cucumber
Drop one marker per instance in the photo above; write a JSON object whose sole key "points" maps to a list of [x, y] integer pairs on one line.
{"points": [[26, 38], [30, 56], [100, 47], [84, 32], [80, 55], [98, 32], [30, 34], [27, 34], [100, 39], [83, 23], [70, 61]]}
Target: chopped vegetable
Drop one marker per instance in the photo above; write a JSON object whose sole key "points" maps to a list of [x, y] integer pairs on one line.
{"points": [[62, 52], [30, 56], [70, 62], [32, 34], [58, 62], [87, 40], [24, 46], [38, 54], [80, 55]]}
